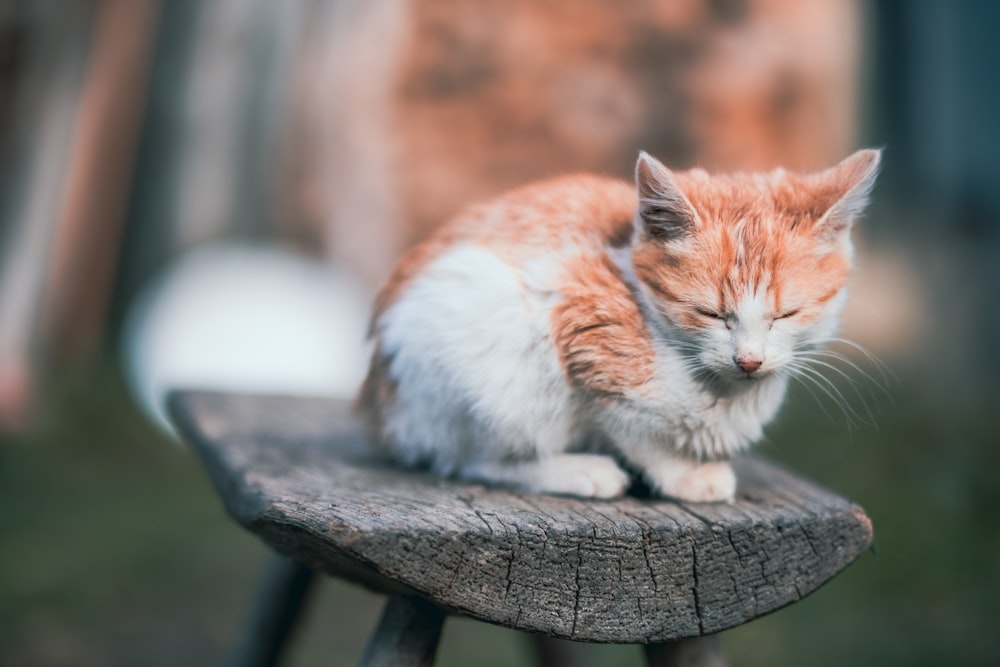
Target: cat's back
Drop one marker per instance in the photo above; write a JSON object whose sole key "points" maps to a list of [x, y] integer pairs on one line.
{"points": [[545, 222], [580, 209]]}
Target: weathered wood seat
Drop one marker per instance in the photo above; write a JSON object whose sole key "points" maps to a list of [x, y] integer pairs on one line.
{"points": [[649, 571]]}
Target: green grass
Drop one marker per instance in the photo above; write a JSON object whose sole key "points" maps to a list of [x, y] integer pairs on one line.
{"points": [[114, 550]]}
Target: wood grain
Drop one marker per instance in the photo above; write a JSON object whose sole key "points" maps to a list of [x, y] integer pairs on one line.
{"points": [[296, 473]]}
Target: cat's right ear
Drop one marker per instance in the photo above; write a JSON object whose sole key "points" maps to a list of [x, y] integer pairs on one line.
{"points": [[664, 211]]}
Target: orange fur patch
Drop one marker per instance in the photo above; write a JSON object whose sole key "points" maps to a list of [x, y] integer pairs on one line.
{"points": [[599, 331]]}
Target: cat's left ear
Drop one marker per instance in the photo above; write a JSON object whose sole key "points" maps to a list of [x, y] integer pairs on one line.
{"points": [[664, 210], [851, 182]]}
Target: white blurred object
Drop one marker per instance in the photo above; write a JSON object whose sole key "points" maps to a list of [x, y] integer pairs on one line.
{"points": [[252, 319]]}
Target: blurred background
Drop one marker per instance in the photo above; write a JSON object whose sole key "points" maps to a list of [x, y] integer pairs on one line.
{"points": [[207, 193]]}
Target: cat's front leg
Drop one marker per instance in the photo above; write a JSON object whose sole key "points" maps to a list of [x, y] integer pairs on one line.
{"points": [[689, 480]]}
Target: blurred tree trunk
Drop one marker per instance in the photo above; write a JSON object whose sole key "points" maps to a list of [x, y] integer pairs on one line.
{"points": [[99, 171], [51, 57]]}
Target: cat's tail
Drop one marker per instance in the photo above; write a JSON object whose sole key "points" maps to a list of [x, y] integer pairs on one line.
{"points": [[251, 319]]}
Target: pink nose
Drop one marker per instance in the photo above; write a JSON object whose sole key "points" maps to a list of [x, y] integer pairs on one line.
{"points": [[748, 365]]}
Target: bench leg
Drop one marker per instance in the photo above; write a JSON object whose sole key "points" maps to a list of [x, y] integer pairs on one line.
{"points": [[407, 634], [552, 652], [693, 652], [282, 593]]}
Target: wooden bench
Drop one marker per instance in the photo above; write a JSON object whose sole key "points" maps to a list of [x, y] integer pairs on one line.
{"points": [[657, 572]]}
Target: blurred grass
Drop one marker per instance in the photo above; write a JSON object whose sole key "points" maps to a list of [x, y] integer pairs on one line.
{"points": [[114, 550]]}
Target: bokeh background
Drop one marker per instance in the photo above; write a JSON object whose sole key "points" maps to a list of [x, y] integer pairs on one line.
{"points": [[299, 147]]}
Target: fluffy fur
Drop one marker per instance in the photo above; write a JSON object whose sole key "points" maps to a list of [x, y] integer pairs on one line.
{"points": [[542, 338]]}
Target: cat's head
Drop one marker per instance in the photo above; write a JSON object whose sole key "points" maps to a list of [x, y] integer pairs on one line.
{"points": [[748, 270]]}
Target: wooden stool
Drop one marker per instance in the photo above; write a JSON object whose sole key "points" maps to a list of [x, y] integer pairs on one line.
{"points": [[648, 571]]}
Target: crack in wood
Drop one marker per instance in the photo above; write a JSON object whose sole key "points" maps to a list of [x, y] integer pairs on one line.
{"points": [[695, 585], [576, 580]]}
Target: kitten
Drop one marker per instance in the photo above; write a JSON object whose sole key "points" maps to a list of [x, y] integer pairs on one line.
{"points": [[537, 338]]}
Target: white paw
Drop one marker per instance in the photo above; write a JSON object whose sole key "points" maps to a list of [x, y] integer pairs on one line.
{"points": [[583, 475], [706, 483]]}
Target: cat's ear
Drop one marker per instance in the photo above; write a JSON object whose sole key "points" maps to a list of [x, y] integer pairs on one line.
{"points": [[850, 183], [664, 211]]}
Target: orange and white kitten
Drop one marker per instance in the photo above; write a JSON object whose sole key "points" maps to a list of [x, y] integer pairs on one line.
{"points": [[540, 338]]}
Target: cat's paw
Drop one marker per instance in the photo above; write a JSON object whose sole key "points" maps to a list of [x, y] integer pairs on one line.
{"points": [[706, 483], [693, 482], [582, 475]]}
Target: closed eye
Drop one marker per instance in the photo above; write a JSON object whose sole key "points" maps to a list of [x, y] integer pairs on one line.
{"points": [[709, 313], [788, 313]]}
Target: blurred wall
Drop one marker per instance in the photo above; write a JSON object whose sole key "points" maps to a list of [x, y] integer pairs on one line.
{"points": [[428, 104]]}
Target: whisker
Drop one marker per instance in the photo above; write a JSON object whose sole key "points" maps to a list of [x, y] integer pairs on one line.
{"points": [[853, 383], [882, 367], [802, 381], [807, 379], [839, 371], [814, 356], [830, 389], [857, 386]]}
